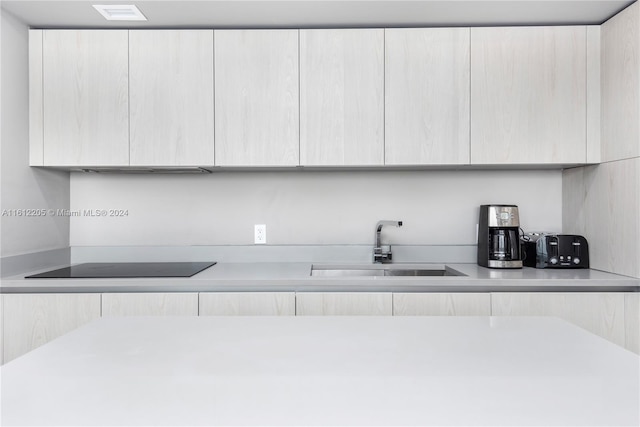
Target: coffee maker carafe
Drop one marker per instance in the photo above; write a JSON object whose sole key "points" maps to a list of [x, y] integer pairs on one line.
{"points": [[499, 237]]}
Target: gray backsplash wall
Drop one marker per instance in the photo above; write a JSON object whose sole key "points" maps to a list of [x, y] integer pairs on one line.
{"points": [[306, 207], [23, 187]]}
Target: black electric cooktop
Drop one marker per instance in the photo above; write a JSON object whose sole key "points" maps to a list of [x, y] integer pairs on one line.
{"points": [[95, 270]]}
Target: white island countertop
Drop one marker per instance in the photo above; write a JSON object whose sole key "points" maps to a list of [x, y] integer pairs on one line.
{"points": [[324, 371], [296, 277]]}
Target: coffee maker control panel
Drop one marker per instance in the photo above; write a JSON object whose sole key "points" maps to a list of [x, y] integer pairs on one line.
{"points": [[503, 216]]}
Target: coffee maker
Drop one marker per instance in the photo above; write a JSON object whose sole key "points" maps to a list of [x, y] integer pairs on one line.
{"points": [[499, 237]]}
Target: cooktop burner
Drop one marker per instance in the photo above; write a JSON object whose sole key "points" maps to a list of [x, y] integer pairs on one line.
{"points": [[95, 270]]}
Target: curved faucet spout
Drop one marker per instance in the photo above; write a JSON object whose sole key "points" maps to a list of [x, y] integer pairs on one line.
{"points": [[379, 255]]}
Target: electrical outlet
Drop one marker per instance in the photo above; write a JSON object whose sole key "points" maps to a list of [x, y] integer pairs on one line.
{"points": [[260, 236]]}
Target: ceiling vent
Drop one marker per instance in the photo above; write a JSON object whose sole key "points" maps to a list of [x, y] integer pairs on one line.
{"points": [[120, 12]]}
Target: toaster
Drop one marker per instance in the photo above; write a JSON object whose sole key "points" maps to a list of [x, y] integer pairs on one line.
{"points": [[550, 250]]}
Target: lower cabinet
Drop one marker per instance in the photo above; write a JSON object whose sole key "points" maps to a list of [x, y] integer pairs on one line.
{"points": [[441, 304], [150, 304], [28, 321], [344, 304], [1, 329], [247, 304], [31, 320], [632, 321], [600, 313]]}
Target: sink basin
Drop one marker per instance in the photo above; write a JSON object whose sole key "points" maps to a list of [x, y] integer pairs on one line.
{"points": [[416, 272], [382, 271]]}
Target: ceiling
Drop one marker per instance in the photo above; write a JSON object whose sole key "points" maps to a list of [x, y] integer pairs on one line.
{"points": [[317, 13]]}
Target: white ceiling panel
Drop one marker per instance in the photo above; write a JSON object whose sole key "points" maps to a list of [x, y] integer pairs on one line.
{"points": [[317, 13]]}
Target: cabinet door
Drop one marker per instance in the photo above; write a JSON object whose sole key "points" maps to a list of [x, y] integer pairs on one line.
{"points": [[256, 98], [600, 313], [150, 304], [31, 320], [344, 303], [528, 95], [36, 99], [86, 100], [427, 96], [441, 304], [247, 304], [621, 85], [342, 97], [171, 97]]}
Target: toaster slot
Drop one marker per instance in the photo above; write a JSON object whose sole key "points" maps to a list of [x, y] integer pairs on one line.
{"points": [[553, 247], [576, 247]]}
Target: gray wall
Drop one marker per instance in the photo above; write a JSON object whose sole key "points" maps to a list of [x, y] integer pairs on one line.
{"points": [[23, 187], [603, 202], [304, 207]]}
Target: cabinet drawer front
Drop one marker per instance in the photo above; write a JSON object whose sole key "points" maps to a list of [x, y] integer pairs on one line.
{"points": [[600, 313], [150, 304], [247, 304], [632, 322], [441, 304], [31, 320], [343, 304]]}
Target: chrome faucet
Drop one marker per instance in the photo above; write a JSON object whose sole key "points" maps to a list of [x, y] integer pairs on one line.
{"points": [[381, 255]]}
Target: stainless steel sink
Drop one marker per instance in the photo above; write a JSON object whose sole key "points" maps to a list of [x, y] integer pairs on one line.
{"points": [[435, 272], [382, 271]]}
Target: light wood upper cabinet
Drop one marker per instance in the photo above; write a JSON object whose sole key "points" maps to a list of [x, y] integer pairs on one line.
{"points": [[256, 98], [36, 106], [85, 91], [528, 95], [171, 97], [342, 97], [150, 304], [31, 320], [621, 85], [427, 96], [334, 97]]}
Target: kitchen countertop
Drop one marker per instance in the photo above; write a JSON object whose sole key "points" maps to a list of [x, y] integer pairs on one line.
{"points": [[336, 370], [296, 277]]}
